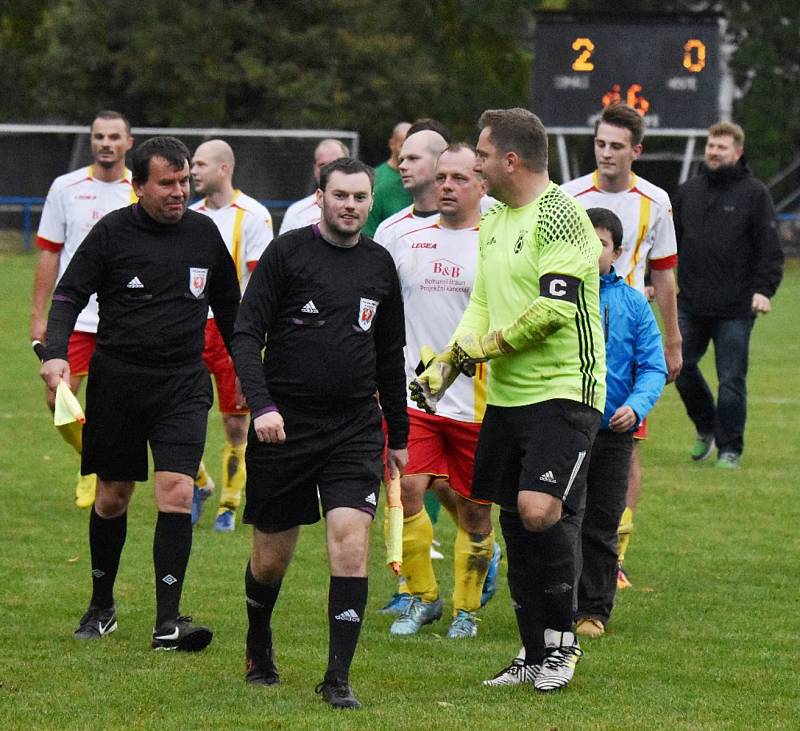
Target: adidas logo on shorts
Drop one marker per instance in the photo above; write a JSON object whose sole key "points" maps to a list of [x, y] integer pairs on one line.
{"points": [[548, 477], [135, 283], [309, 308], [371, 499], [348, 616]]}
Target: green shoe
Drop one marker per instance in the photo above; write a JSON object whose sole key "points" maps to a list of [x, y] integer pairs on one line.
{"points": [[728, 461], [703, 446]]}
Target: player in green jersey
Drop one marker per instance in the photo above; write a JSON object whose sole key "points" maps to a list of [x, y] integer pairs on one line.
{"points": [[534, 315]]}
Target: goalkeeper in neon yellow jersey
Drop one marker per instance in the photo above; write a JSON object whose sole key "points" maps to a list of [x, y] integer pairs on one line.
{"points": [[534, 317]]}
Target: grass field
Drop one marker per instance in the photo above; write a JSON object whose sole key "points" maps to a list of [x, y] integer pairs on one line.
{"points": [[707, 638]]}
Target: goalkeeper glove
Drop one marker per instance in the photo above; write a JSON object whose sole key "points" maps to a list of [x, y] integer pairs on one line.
{"points": [[438, 375], [470, 349]]}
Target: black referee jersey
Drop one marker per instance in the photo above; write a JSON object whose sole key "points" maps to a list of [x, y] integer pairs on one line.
{"points": [[154, 284], [332, 320]]}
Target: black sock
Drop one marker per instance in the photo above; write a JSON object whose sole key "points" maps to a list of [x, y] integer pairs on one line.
{"points": [[260, 600], [556, 556], [347, 600], [106, 539], [172, 544], [522, 585], [541, 580]]}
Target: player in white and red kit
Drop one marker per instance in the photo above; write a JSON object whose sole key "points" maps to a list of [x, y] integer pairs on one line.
{"points": [[437, 264], [306, 211], [246, 228], [648, 242], [417, 166], [74, 203]]}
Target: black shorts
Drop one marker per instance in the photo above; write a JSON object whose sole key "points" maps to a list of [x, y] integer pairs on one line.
{"points": [[128, 406], [543, 447], [340, 455]]}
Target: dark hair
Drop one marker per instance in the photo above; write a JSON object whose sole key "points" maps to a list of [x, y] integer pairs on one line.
{"points": [[520, 131], [603, 218], [434, 125], [111, 114], [170, 148], [625, 116], [348, 166], [458, 146]]}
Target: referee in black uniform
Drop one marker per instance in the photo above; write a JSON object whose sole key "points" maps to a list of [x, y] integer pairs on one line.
{"points": [[327, 302], [156, 268]]}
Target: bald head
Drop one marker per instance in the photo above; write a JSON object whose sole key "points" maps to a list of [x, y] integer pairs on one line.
{"points": [[417, 163], [327, 151], [217, 150], [212, 168], [431, 142]]}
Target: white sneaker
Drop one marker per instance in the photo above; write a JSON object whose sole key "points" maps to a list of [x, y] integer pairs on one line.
{"points": [[515, 674], [562, 652]]}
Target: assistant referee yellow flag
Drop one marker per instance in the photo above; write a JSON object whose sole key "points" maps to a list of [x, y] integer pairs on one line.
{"points": [[394, 534], [68, 408]]}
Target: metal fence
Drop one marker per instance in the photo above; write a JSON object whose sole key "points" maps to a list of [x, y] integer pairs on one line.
{"points": [[273, 166]]}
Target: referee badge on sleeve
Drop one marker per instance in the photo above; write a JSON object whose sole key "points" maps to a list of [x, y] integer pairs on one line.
{"points": [[366, 313], [197, 281]]}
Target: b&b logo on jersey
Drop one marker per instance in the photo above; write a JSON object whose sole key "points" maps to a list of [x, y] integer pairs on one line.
{"points": [[366, 313], [197, 281]]}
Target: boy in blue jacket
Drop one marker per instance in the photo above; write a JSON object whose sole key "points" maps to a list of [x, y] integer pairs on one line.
{"points": [[636, 376]]}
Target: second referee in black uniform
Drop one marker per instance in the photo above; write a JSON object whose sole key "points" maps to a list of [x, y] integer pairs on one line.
{"points": [[156, 268], [327, 302]]}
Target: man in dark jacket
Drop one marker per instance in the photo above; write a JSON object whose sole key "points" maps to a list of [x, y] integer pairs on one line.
{"points": [[731, 264]]}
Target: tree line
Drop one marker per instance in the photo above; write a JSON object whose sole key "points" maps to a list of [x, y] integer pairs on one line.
{"points": [[351, 64]]}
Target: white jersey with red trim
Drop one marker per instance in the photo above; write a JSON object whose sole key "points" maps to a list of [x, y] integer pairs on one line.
{"points": [[75, 202], [437, 268], [648, 232], [405, 220], [401, 223], [246, 229], [301, 213]]}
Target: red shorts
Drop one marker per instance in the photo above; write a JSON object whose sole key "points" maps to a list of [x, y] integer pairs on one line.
{"points": [[80, 349], [442, 447], [641, 432], [220, 366]]}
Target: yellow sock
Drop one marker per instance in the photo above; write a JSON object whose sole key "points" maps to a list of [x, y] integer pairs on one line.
{"points": [[202, 476], [233, 477], [417, 564], [624, 533], [72, 434], [471, 566]]}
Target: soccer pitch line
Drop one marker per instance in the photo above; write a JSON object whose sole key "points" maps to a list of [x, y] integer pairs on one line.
{"points": [[780, 400]]}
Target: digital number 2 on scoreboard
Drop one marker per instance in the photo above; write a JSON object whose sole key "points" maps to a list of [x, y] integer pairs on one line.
{"points": [[586, 48]]}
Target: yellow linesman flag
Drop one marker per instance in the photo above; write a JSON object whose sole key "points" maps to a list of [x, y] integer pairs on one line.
{"points": [[68, 408], [394, 536]]}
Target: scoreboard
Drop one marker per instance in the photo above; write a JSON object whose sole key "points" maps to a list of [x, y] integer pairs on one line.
{"points": [[666, 67]]}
